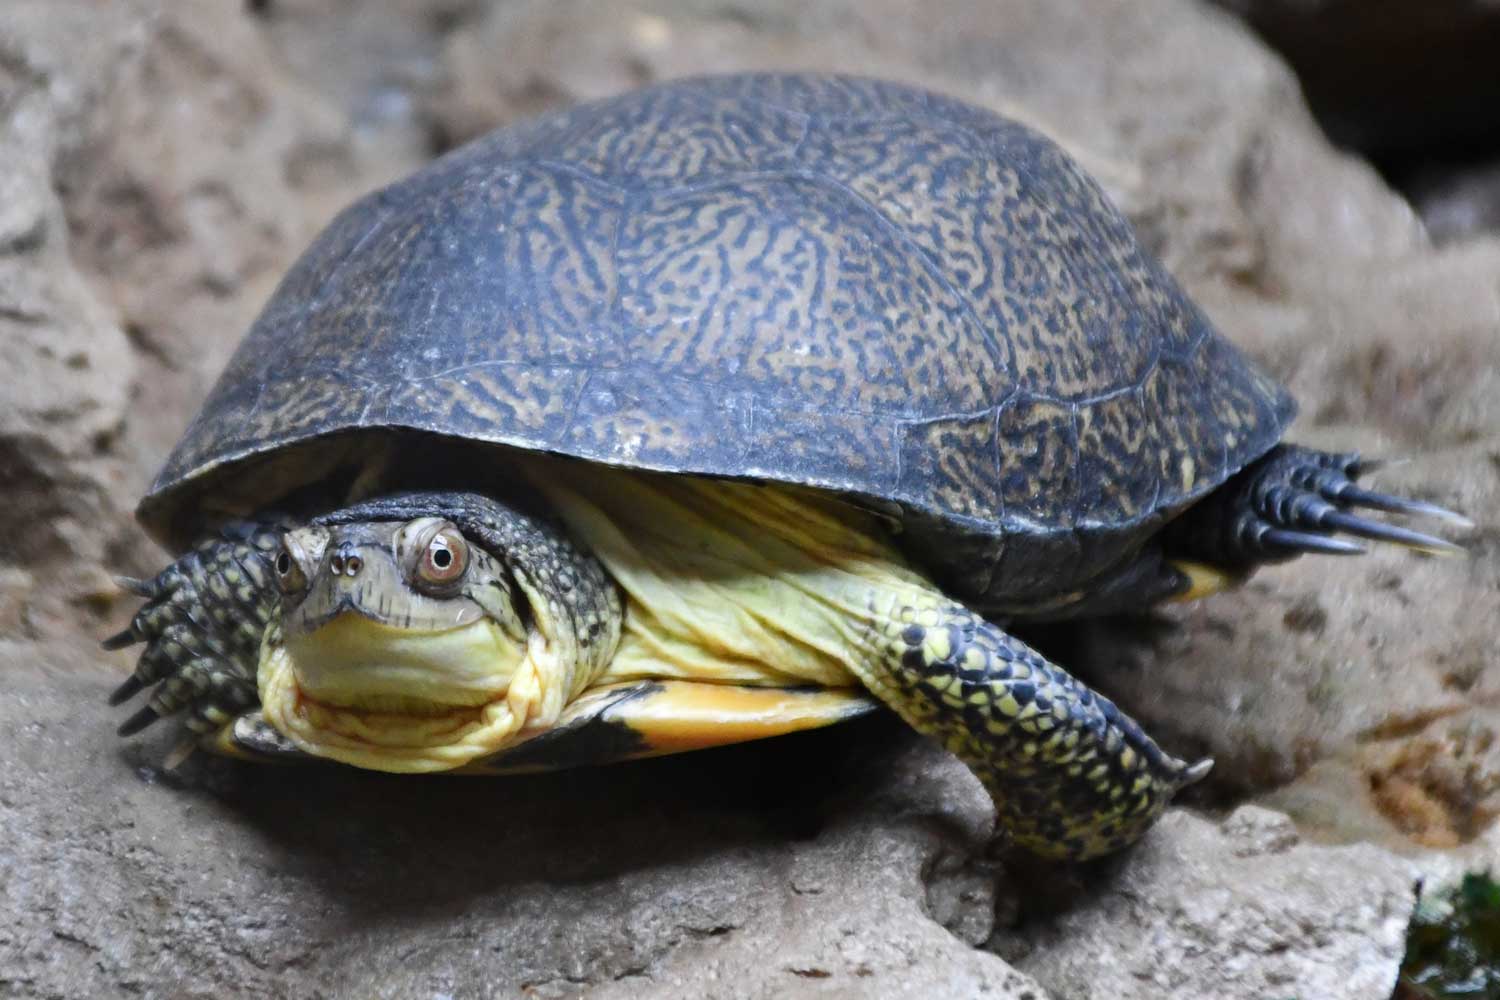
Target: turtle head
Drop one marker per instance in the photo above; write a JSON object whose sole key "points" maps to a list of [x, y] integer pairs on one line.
{"points": [[398, 646]]}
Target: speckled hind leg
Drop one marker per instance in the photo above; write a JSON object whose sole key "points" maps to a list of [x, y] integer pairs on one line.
{"points": [[202, 625], [1071, 775]]}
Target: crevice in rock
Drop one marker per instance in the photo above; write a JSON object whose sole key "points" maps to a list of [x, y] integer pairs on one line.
{"points": [[1411, 86]]}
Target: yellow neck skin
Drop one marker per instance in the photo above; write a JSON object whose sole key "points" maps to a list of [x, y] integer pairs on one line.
{"points": [[446, 697], [729, 582]]}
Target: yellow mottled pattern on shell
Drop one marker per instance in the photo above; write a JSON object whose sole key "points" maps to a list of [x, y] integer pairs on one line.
{"points": [[812, 280]]}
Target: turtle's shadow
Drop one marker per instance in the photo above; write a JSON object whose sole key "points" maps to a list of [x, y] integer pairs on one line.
{"points": [[397, 844]]}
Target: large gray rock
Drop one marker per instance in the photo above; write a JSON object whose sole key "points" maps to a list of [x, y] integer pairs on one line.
{"points": [[161, 164], [802, 867], [67, 365], [1241, 909]]}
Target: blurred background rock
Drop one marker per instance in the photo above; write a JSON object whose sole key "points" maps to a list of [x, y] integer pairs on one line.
{"points": [[1412, 84], [162, 163]]}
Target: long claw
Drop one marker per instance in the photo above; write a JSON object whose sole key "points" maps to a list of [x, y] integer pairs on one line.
{"points": [[184, 749], [140, 588], [1360, 497], [133, 686], [1197, 771], [1353, 524], [122, 639], [1364, 466], [1306, 541], [138, 721]]}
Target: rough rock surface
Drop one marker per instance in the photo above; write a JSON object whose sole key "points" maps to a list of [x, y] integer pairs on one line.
{"points": [[1228, 911], [161, 164]]}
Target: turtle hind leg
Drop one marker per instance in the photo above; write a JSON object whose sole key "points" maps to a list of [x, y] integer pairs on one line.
{"points": [[1071, 775], [201, 625], [1295, 501]]}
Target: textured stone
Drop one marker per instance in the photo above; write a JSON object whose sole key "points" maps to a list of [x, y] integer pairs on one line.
{"points": [[161, 164], [1235, 910]]}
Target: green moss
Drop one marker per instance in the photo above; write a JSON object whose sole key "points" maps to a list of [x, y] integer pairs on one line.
{"points": [[1453, 944]]}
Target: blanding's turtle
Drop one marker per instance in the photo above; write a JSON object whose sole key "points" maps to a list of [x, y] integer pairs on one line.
{"points": [[709, 412]]}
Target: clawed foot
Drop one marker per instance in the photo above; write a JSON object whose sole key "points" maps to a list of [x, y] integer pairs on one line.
{"points": [[202, 624], [1314, 499], [1297, 500]]}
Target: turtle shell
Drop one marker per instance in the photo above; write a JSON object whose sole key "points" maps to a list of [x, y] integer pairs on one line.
{"points": [[837, 282]]}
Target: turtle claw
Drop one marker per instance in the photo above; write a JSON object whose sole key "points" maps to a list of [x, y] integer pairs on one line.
{"points": [[1310, 542], [201, 625], [121, 639], [139, 721], [1356, 465], [133, 686], [1333, 478], [1310, 494], [1296, 500], [1197, 771], [147, 589], [180, 753], [1353, 524], [1357, 497]]}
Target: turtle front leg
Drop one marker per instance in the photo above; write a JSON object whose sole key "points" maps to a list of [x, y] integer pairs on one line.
{"points": [[202, 624], [1071, 775]]}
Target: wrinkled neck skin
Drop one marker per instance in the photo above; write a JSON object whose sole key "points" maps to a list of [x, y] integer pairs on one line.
{"points": [[369, 668], [734, 582]]}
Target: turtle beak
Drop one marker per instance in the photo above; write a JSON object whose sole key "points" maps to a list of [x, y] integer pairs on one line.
{"points": [[368, 670], [355, 578]]}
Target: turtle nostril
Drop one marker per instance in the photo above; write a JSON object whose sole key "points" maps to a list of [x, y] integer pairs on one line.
{"points": [[354, 565], [337, 565]]}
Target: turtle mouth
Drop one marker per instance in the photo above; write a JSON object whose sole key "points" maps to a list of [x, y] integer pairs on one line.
{"points": [[390, 699]]}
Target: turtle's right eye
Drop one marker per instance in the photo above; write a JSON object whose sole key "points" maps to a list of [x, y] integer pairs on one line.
{"points": [[289, 575]]}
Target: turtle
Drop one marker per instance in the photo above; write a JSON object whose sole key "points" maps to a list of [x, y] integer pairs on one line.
{"points": [[724, 408]]}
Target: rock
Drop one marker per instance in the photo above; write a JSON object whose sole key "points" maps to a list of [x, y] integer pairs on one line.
{"points": [[1457, 202], [156, 176], [1390, 75], [161, 164], [724, 874], [67, 364], [1432, 782], [1238, 909]]}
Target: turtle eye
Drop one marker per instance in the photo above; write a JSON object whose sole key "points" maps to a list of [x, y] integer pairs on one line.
{"points": [[289, 575], [444, 559]]}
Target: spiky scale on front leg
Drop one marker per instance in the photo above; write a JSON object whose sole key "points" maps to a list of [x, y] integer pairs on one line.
{"points": [[1071, 775], [202, 625]]}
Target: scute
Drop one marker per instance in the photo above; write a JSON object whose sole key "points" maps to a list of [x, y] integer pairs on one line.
{"points": [[819, 280]]}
